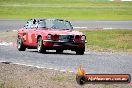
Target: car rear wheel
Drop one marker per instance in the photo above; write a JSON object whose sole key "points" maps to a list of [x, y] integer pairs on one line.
{"points": [[20, 45], [40, 46], [59, 51]]}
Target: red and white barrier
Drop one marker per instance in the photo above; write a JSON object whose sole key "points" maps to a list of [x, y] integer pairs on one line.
{"points": [[2, 43], [120, 0]]}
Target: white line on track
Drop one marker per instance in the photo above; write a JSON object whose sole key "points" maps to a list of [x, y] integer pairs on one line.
{"points": [[80, 27], [29, 65]]}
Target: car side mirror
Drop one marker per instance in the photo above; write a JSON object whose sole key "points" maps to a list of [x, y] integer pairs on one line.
{"points": [[35, 26], [25, 27]]}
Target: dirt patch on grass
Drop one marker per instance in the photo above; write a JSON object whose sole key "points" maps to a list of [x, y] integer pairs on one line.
{"points": [[18, 76], [8, 36]]}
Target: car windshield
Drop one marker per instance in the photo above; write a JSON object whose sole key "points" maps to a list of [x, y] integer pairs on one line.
{"points": [[56, 24]]}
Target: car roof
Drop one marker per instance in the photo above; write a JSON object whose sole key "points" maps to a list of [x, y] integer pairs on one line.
{"points": [[41, 19]]}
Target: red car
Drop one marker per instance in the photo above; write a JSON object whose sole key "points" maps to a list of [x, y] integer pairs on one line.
{"points": [[50, 34]]}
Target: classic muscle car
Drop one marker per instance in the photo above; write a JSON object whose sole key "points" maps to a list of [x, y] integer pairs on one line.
{"points": [[50, 34]]}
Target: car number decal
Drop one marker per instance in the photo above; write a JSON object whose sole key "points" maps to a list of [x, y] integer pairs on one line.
{"points": [[30, 37]]}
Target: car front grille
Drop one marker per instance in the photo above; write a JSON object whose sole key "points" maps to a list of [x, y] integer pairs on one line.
{"points": [[66, 37]]}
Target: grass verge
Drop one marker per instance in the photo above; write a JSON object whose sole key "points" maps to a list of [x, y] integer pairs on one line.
{"points": [[64, 77], [109, 40], [71, 9], [1, 86]]}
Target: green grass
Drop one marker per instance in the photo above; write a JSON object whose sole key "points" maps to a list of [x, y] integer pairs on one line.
{"points": [[63, 78], [109, 40], [66, 9], [1, 86]]}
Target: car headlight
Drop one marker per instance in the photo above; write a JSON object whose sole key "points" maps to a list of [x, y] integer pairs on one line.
{"points": [[83, 37], [49, 36]]}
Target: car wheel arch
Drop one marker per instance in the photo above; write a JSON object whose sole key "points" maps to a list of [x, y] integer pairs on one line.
{"points": [[20, 37], [38, 37]]}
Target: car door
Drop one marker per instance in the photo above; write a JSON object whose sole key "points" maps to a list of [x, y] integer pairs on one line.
{"points": [[23, 33], [30, 33]]}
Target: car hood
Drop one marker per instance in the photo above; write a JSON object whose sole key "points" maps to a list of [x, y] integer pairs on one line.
{"points": [[62, 32]]}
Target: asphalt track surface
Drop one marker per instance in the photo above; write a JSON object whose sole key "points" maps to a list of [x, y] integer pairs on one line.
{"points": [[6, 24], [92, 62]]}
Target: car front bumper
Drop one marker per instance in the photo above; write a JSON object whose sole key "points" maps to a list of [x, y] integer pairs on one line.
{"points": [[64, 43]]}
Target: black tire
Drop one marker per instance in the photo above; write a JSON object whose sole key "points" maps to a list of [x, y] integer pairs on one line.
{"points": [[80, 80], [20, 45], [59, 51], [80, 51], [40, 46]]}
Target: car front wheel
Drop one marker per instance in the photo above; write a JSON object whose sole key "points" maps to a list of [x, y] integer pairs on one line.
{"points": [[80, 51], [20, 45], [40, 46], [59, 51]]}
